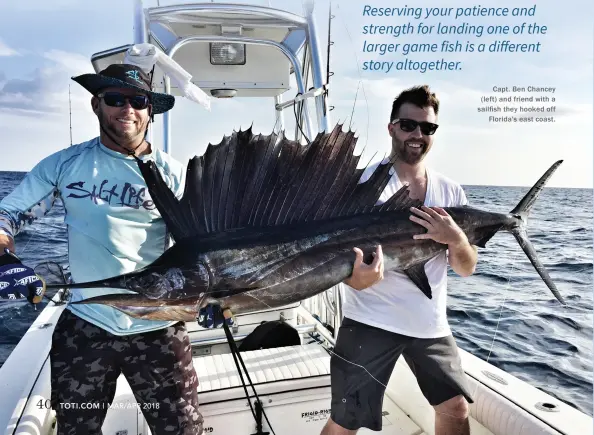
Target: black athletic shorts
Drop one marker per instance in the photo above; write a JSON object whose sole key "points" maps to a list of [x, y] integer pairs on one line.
{"points": [[357, 397]]}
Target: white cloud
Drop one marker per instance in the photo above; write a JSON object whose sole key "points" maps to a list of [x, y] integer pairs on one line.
{"points": [[45, 90], [34, 109], [72, 62], [5, 50]]}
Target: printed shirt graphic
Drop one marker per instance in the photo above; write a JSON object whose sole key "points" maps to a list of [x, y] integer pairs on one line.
{"points": [[113, 224], [396, 304]]}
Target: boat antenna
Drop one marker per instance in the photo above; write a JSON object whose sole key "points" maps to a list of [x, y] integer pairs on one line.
{"points": [[70, 110]]}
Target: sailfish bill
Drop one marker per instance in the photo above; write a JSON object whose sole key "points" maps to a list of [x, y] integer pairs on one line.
{"points": [[265, 221]]}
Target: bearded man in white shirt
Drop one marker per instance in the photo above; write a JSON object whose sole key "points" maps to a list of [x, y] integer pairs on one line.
{"points": [[385, 313]]}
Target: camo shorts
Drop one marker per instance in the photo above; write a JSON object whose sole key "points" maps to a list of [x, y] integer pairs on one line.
{"points": [[87, 360]]}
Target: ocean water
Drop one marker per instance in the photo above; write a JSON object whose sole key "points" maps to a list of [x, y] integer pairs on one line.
{"points": [[503, 313]]}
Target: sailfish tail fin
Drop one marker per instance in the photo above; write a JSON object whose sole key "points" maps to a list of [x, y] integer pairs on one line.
{"points": [[521, 212]]}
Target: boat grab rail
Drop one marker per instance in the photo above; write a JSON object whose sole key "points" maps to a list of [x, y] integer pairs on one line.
{"points": [[165, 12]]}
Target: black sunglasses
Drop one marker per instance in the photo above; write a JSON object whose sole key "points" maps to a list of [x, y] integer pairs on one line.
{"points": [[408, 125], [117, 99]]}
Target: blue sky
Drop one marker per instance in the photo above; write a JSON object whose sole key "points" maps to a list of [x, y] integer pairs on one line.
{"points": [[42, 44]]}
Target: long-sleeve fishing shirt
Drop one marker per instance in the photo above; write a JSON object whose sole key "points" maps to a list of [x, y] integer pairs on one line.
{"points": [[113, 225]]}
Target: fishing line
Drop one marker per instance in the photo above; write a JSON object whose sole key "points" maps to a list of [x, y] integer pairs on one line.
{"points": [[354, 104], [356, 365], [261, 301], [507, 289], [499, 319], [277, 122], [27, 244], [375, 379], [297, 120]]}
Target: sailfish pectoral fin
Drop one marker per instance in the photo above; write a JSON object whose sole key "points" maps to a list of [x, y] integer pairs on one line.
{"points": [[183, 309], [417, 275], [488, 233], [178, 313], [141, 307]]}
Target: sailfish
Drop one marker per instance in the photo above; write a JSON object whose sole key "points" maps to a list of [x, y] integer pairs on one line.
{"points": [[266, 221]]}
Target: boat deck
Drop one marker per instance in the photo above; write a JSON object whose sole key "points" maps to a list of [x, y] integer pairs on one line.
{"points": [[274, 370], [292, 382]]}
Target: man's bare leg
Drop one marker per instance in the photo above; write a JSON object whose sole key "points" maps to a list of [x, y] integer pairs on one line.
{"points": [[332, 428], [451, 417]]}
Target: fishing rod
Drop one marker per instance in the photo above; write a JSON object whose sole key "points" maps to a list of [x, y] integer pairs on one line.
{"points": [[330, 43]]}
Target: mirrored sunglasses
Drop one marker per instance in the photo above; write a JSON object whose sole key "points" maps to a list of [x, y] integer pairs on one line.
{"points": [[117, 99]]}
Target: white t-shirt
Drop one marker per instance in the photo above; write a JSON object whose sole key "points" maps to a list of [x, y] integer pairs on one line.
{"points": [[395, 303]]}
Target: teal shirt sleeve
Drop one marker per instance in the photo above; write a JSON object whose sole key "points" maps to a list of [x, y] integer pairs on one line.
{"points": [[32, 199]]}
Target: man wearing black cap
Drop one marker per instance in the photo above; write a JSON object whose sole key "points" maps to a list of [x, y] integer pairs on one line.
{"points": [[113, 228]]}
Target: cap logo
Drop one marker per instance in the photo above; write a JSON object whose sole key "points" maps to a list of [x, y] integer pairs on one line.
{"points": [[134, 76]]}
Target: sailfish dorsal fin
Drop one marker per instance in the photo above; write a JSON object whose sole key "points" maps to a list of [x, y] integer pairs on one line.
{"points": [[261, 181]]}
